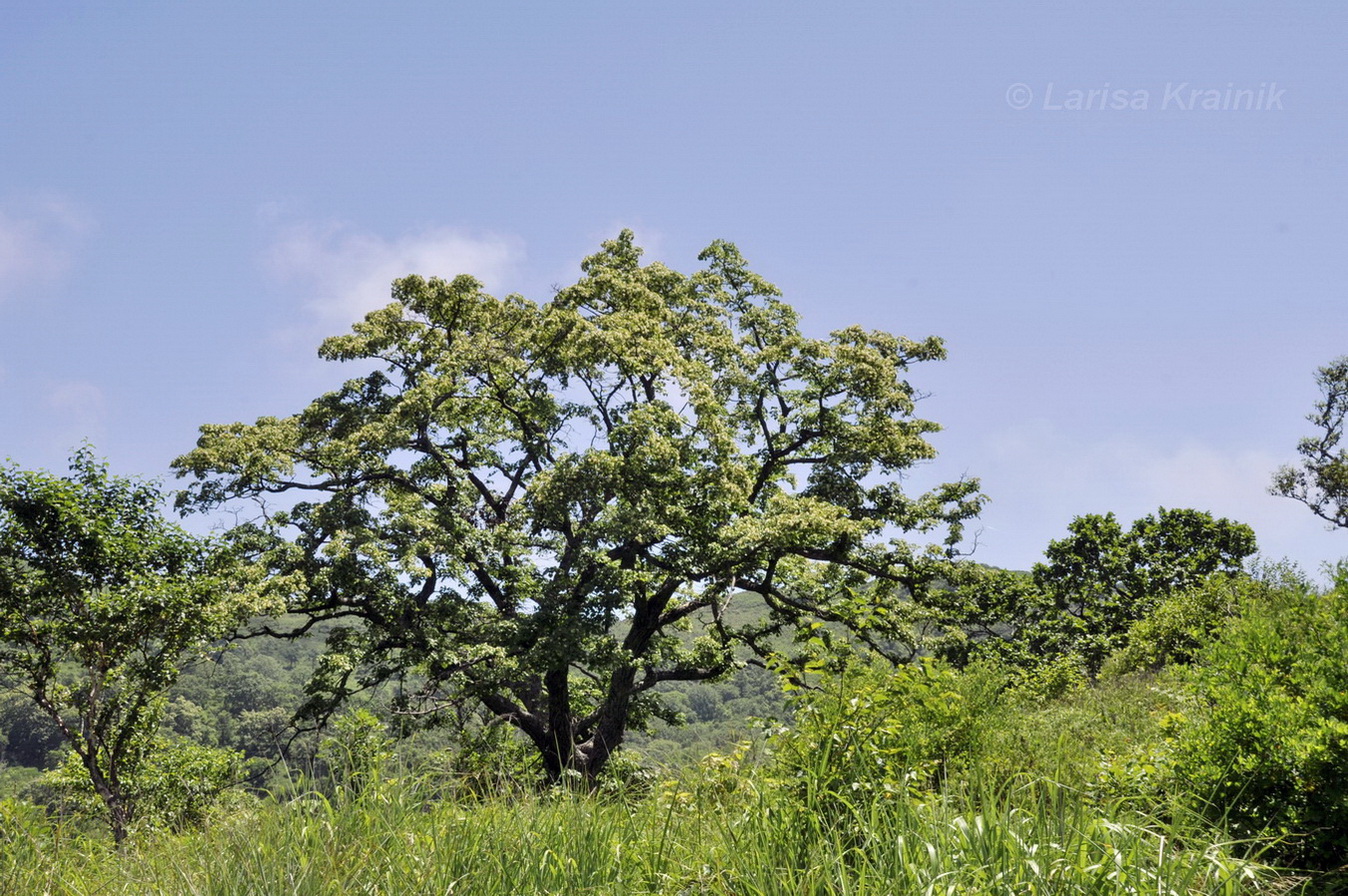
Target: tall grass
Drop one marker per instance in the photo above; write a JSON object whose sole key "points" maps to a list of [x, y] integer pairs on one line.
{"points": [[994, 844], [723, 830], [865, 795]]}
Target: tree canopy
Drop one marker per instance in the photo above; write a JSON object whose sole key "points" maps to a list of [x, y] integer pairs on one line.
{"points": [[1095, 584], [101, 602], [1162, 552], [522, 502], [1321, 481], [1103, 578]]}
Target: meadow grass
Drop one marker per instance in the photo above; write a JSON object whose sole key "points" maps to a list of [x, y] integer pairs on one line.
{"points": [[718, 830]]}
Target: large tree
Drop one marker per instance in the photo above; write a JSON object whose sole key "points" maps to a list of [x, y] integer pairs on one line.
{"points": [[522, 503], [1321, 481], [102, 601]]}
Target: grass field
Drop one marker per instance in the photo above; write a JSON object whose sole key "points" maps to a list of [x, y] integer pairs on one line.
{"points": [[724, 828]]}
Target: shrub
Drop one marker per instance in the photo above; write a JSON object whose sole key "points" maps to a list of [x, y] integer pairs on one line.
{"points": [[1081, 738], [174, 786], [357, 751], [1266, 749], [879, 728], [1180, 625]]}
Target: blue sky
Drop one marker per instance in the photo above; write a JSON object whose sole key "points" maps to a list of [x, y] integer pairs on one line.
{"points": [[1134, 300]]}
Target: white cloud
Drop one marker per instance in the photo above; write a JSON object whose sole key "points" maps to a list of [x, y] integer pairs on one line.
{"points": [[38, 245], [345, 272], [1189, 474], [1040, 478]]}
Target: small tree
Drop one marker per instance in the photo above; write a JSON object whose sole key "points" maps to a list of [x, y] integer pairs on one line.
{"points": [[1321, 482], [524, 502], [101, 603]]}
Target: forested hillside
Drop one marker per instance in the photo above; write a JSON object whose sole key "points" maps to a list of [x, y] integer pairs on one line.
{"points": [[245, 695]]}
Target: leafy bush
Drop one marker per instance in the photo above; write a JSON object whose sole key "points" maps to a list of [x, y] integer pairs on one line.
{"points": [[1266, 749], [1080, 738], [174, 786], [357, 751], [1053, 678], [1180, 625], [487, 760], [879, 728]]}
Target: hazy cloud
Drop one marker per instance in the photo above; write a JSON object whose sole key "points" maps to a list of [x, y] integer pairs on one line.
{"points": [[81, 407], [1038, 472], [1082, 473], [345, 272], [38, 244]]}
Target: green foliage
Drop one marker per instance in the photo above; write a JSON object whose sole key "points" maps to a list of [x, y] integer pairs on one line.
{"points": [[1039, 794], [712, 716], [984, 611], [719, 831], [102, 601], [1265, 747], [916, 780], [26, 844], [1104, 740], [28, 736], [523, 502], [174, 786], [1052, 678], [1103, 579], [357, 751], [925, 728], [1158, 554], [1321, 481], [1181, 624], [245, 698], [1078, 607], [486, 760], [883, 729]]}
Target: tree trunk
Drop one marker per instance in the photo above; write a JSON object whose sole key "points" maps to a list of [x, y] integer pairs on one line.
{"points": [[119, 818], [586, 760], [562, 753], [109, 791]]}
